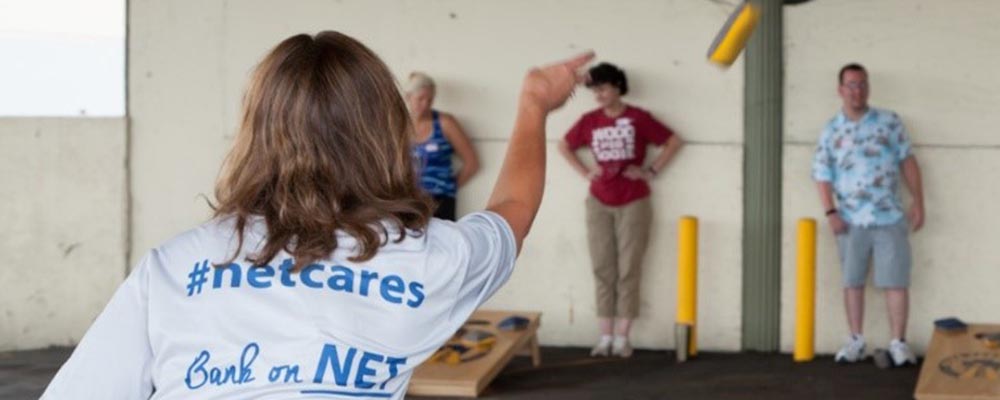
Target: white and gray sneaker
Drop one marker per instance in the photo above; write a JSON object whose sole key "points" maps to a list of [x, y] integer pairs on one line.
{"points": [[853, 350], [901, 354], [603, 347], [621, 348]]}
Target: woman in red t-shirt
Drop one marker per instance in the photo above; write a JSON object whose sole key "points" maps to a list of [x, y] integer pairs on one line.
{"points": [[619, 213]]}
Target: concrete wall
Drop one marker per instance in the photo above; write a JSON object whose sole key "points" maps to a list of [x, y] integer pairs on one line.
{"points": [[934, 63], [63, 231], [929, 60], [189, 62]]}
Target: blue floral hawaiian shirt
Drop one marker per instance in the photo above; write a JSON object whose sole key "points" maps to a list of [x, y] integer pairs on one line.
{"points": [[861, 159]]}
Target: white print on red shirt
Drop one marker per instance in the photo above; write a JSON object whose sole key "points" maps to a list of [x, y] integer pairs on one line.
{"points": [[614, 143]]}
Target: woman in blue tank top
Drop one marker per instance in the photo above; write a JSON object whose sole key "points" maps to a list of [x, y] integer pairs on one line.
{"points": [[437, 138]]}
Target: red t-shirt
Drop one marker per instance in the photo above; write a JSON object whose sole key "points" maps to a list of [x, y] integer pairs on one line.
{"points": [[617, 143]]}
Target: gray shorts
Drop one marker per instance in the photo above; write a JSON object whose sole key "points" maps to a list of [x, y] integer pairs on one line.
{"points": [[886, 247]]}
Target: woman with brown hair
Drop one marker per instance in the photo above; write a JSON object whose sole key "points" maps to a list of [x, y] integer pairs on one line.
{"points": [[322, 273]]}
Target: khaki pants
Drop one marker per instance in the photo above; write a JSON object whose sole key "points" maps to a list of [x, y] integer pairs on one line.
{"points": [[618, 237]]}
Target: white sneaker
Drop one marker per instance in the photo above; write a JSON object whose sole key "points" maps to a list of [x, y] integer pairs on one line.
{"points": [[603, 347], [901, 354], [621, 348], [853, 350]]}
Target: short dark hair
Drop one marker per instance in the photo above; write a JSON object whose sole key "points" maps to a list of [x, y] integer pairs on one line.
{"points": [[610, 74], [850, 67]]}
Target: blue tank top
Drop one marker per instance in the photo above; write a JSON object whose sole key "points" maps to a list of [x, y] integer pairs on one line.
{"points": [[433, 158]]}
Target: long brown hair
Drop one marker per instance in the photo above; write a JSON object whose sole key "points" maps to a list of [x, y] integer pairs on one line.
{"points": [[324, 145]]}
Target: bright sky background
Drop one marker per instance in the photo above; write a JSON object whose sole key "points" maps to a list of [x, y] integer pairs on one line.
{"points": [[62, 57]]}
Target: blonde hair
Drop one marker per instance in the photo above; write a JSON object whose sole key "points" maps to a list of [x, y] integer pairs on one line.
{"points": [[418, 81]]}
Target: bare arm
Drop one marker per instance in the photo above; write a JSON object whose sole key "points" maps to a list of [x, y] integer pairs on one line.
{"points": [[914, 183], [826, 195], [573, 159], [517, 194], [669, 149], [463, 148], [826, 198]]}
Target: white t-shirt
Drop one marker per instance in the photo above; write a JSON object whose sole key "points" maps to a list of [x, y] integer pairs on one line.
{"points": [[179, 328]]}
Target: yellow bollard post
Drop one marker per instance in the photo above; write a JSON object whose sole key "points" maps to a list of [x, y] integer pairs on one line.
{"points": [[805, 292], [687, 285]]}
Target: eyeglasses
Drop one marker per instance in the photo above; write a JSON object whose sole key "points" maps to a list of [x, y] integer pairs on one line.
{"points": [[855, 85]]}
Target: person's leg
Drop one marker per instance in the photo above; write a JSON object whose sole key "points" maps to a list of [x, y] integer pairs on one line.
{"points": [[445, 207], [855, 249], [898, 302], [603, 255], [893, 262], [623, 326], [606, 325], [892, 273], [632, 227], [855, 253], [854, 304]]}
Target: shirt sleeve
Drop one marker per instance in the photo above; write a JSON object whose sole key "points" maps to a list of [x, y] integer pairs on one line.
{"points": [[491, 251], [576, 137], [823, 159], [900, 139], [114, 358], [654, 130]]}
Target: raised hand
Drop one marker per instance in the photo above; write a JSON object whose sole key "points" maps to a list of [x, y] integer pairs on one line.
{"points": [[547, 88]]}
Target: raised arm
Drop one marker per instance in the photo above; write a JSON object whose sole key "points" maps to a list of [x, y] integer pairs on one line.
{"points": [[517, 193]]}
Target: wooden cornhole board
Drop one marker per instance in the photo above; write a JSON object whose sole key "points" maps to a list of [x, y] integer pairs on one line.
{"points": [[960, 367], [468, 379]]}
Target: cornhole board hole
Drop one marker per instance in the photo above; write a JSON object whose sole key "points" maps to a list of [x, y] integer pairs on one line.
{"points": [[960, 366], [468, 379]]}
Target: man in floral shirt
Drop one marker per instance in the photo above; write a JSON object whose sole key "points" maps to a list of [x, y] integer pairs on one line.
{"points": [[861, 156]]}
